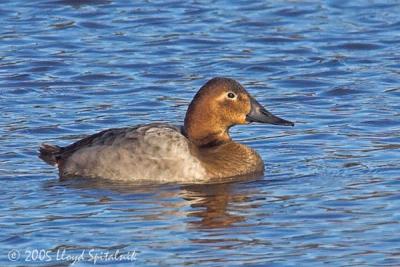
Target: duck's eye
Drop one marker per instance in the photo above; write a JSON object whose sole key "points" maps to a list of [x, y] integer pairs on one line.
{"points": [[231, 95]]}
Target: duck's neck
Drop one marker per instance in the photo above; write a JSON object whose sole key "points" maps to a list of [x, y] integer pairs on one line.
{"points": [[207, 139], [203, 129]]}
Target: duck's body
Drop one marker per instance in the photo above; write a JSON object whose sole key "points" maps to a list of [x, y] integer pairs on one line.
{"points": [[152, 152], [199, 151]]}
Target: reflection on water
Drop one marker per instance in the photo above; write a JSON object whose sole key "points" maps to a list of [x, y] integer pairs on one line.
{"points": [[209, 202], [329, 195], [211, 205]]}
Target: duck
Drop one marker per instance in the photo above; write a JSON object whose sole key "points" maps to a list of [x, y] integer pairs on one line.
{"points": [[199, 151]]}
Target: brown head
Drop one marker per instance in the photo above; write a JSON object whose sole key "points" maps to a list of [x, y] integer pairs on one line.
{"points": [[220, 104]]}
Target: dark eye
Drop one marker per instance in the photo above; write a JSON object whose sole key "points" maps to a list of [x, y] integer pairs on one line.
{"points": [[231, 95]]}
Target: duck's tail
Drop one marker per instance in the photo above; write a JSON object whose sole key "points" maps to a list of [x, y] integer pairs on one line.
{"points": [[49, 153]]}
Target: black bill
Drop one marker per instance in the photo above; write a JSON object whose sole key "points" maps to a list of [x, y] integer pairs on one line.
{"points": [[259, 114]]}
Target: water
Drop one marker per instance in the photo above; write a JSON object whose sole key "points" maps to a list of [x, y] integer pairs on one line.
{"points": [[330, 194]]}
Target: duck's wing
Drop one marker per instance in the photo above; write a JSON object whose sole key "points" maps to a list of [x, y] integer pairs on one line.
{"points": [[53, 154], [116, 136], [106, 137]]}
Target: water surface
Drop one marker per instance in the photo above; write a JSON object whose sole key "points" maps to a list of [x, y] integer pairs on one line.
{"points": [[330, 194]]}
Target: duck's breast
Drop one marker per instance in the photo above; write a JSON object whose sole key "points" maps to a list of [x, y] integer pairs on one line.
{"points": [[149, 152], [230, 159]]}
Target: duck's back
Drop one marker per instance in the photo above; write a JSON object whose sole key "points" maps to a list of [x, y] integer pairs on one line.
{"points": [[145, 152]]}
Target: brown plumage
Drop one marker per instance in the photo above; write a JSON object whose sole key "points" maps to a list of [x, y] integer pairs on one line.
{"points": [[200, 151], [211, 112]]}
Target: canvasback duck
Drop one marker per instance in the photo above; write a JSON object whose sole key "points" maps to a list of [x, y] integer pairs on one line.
{"points": [[201, 150]]}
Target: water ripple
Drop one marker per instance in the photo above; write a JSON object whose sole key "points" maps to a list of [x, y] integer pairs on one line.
{"points": [[330, 191]]}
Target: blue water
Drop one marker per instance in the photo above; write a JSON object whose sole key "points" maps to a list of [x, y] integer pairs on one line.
{"points": [[330, 194]]}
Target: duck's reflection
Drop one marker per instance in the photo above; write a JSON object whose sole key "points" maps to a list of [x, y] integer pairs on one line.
{"points": [[210, 205]]}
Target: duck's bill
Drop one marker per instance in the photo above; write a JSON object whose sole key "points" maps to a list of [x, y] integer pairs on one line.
{"points": [[259, 114]]}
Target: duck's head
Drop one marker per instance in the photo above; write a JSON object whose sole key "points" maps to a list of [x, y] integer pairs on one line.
{"points": [[220, 104]]}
